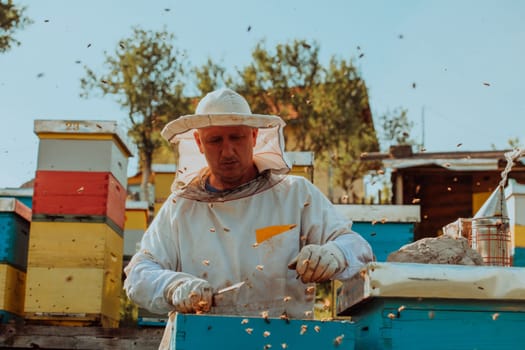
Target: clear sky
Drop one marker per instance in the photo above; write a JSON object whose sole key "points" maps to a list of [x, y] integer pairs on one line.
{"points": [[466, 58]]}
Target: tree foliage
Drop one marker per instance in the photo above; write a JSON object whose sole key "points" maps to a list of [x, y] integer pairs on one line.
{"points": [[146, 75], [12, 18], [282, 82], [514, 143], [396, 128], [210, 76], [326, 108], [345, 124]]}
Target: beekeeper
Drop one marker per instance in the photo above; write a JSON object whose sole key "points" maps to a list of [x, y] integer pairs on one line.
{"points": [[236, 218]]}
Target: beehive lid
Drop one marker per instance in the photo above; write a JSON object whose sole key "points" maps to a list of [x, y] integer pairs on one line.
{"points": [[163, 168], [136, 205], [15, 206], [16, 192], [300, 158], [439, 281], [380, 213], [83, 127]]}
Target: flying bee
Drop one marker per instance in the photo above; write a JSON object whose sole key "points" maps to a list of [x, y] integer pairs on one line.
{"points": [[304, 328], [338, 340]]}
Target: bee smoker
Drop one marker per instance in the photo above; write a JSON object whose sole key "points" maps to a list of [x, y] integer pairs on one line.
{"points": [[491, 235]]}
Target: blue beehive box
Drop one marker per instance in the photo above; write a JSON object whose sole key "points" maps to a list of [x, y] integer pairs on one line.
{"points": [[404, 306], [386, 227], [15, 219], [24, 195], [440, 324], [235, 332], [149, 319], [519, 257]]}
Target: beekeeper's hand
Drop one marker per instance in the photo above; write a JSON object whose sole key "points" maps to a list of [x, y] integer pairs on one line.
{"points": [[190, 295], [318, 263]]}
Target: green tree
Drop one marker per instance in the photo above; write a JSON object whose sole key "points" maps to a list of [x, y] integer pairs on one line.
{"points": [[146, 76], [396, 128], [11, 19], [326, 108], [345, 128], [281, 82], [210, 76], [514, 143]]}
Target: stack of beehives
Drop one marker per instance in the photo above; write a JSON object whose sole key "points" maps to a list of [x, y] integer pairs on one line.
{"points": [[14, 235], [76, 237]]}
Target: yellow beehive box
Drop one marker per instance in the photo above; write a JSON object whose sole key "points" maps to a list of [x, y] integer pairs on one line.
{"points": [[12, 287], [73, 296], [74, 273], [519, 232], [74, 244], [302, 164], [515, 199], [135, 225], [136, 215], [164, 176]]}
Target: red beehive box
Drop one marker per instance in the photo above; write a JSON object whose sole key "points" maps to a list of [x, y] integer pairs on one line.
{"points": [[79, 193]]}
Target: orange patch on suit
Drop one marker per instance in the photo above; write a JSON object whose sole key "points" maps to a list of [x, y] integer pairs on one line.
{"points": [[264, 233]]}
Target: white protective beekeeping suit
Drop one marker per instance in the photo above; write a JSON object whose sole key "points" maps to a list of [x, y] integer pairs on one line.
{"points": [[249, 234]]}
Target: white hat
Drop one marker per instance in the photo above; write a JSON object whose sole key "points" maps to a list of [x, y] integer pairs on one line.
{"points": [[221, 107], [225, 107]]}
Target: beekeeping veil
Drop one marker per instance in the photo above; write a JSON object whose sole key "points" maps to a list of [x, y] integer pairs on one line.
{"points": [[225, 107]]}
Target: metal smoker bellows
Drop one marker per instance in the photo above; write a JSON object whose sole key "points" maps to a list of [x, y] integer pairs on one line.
{"points": [[491, 235]]}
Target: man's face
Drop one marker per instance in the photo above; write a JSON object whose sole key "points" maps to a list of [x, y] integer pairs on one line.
{"points": [[229, 153]]}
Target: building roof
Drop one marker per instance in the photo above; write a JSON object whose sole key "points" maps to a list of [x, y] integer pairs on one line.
{"points": [[402, 157]]}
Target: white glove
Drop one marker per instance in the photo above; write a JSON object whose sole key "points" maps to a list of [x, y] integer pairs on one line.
{"points": [[190, 295], [318, 263]]}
